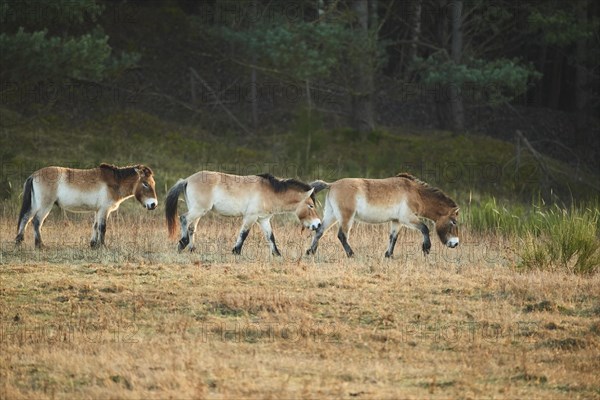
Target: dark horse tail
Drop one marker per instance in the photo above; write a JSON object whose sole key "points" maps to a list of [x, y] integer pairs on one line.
{"points": [[319, 185], [27, 195], [171, 206]]}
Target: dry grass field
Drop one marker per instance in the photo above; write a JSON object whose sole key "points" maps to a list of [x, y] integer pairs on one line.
{"points": [[137, 320]]}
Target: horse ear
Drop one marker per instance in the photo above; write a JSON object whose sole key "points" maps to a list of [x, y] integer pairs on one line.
{"points": [[143, 170], [455, 211], [139, 170], [309, 193]]}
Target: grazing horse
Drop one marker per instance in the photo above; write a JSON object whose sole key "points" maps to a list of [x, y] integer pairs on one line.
{"points": [[401, 199], [101, 189], [255, 197]]}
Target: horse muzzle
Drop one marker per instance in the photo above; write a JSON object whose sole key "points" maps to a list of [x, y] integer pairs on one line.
{"points": [[314, 225], [151, 204], [452, 242]]}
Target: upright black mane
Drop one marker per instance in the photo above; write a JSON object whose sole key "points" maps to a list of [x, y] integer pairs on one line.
{"points": [[433, 191], [281, 185], [124, 172]]}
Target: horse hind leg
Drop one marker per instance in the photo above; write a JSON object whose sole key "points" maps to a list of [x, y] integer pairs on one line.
{"points": [[185, 239], [189, 223], [22, 226], [343, 234], [38, 221]]}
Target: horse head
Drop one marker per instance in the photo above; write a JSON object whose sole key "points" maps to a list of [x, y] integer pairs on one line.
{"points": [[306, 211], [447, 228], [144, 190]]}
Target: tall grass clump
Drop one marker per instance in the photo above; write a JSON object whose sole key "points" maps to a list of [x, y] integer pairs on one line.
{"points": [[545, 237], [491, 217], [563, 239]]}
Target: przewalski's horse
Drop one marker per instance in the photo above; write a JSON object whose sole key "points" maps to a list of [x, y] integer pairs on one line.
{"points": [[401, 200], [101, 189], [255, 197]]}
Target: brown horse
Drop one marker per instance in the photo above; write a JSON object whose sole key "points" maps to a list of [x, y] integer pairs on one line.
{"points": [[100, 189], [256, 198], [401, 199]]}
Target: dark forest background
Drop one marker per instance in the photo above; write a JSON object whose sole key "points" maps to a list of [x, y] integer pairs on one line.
{"points": [[242, 70]]}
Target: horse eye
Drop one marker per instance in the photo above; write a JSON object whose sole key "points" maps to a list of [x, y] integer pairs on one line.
{"points": [[310, 206], [144, 184]]}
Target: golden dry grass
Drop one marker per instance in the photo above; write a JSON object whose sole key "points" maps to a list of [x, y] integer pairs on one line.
{"points": [[137, 320]]}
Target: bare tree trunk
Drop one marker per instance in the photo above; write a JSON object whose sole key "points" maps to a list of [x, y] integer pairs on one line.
{"points": [[415, 30], [441, 105], [253, 83], [581, 89], [362, 93], [456, 101], [539, 91], [556, 79], [254, 94]]}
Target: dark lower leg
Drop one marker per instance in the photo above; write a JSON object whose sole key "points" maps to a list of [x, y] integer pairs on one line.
{"points": [[185, 240], [274, 249], [102, 230], [37, 225], [393, 238], [20, 233], [94, 240], [315, 242], [344, 240], [237, 249], [191, 232], [426, 241]]}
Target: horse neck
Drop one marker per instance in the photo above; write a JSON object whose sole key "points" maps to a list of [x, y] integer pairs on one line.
{"points": [[286, 201], [126, 186], [433, 208]]}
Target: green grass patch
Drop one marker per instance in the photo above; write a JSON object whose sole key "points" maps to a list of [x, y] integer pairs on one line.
{"points": [[546, 237]]}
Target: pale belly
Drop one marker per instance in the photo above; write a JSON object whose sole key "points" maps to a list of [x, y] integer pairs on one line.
{"points": [[232, 206], [377, 214], [74, 200]]}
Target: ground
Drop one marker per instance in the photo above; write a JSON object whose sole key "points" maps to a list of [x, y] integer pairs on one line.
{"points": [[138, 320]]}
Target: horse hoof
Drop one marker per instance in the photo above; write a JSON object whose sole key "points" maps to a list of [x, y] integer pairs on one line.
{"points": [[388, 255], [236, 251]]}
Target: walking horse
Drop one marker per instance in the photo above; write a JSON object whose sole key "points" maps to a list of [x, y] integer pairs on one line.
{"points": [[101, 190], [256, 198], [401, 200]]}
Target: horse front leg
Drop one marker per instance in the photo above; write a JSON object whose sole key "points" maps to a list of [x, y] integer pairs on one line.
{"points": [[246, 224], [94, 238], [395, 226], [99, 229], [328, 220], [426, 241], [265, 224]]}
